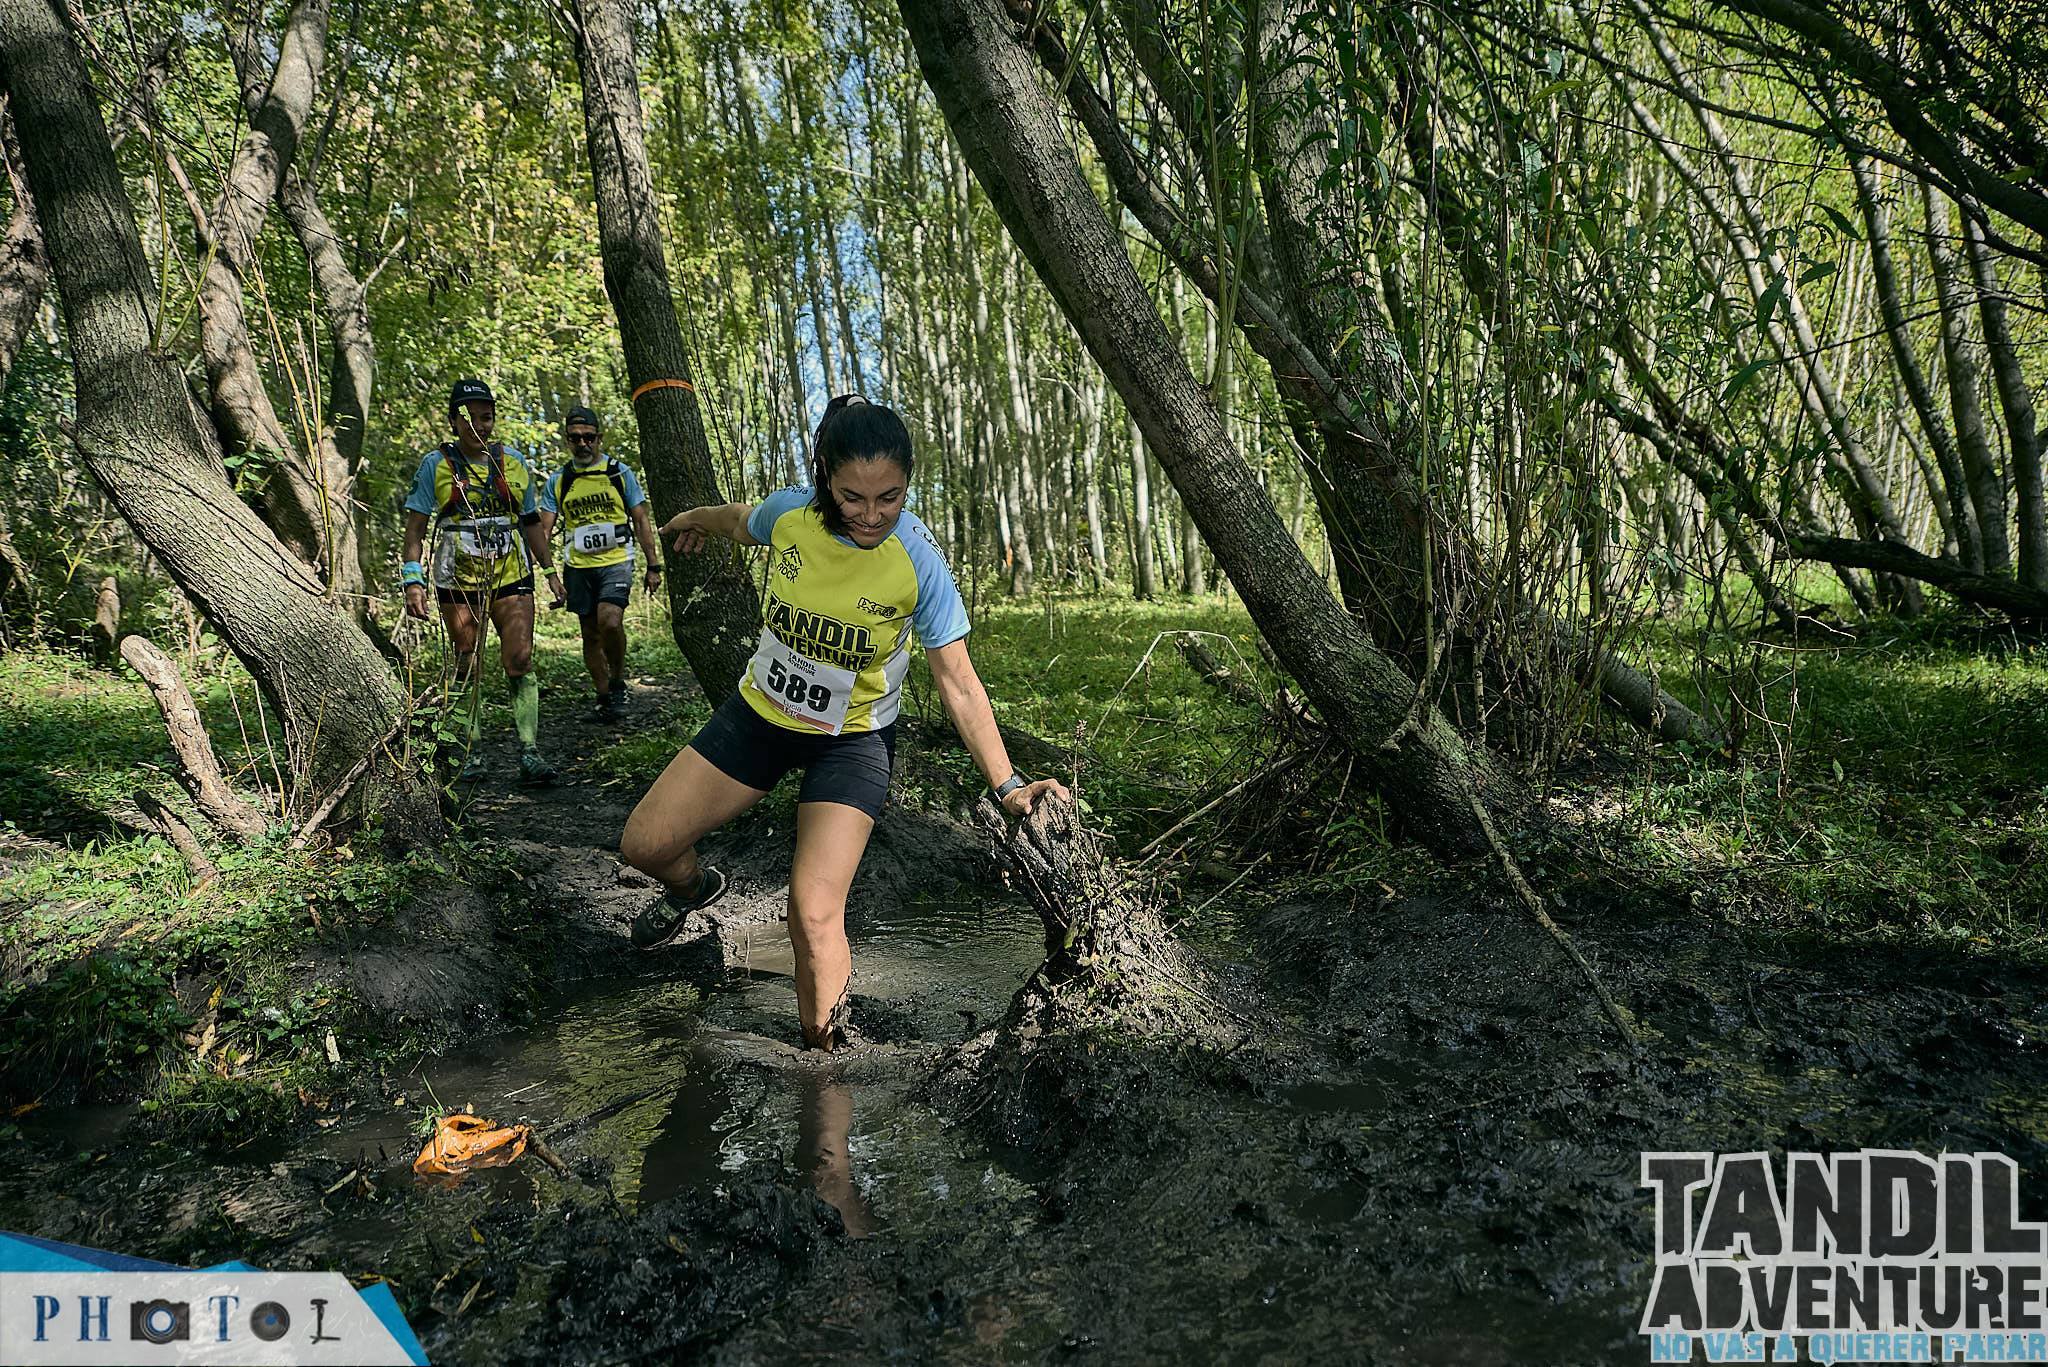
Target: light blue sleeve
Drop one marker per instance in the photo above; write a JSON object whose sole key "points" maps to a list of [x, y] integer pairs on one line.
{"points": [[940, 617], [530, 506], [761, 522], [550, 501], [421, 497], [635, 495]]}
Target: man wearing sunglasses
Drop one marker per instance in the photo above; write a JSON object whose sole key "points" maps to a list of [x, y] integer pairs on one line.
{"points": [[602, 511]]}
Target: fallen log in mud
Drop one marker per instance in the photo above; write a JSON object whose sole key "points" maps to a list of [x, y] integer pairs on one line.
{"points": [[1116, 1000]]}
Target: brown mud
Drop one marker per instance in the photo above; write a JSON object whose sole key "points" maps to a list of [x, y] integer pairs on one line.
{"points": [[1414, 1141]]}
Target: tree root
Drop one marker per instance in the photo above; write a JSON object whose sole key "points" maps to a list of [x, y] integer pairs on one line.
{"points": [[1112, 975], [1533, 904]]}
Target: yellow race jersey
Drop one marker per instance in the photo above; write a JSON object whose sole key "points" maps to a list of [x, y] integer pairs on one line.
{"points": [[478, 510], [836, 626], [595, 504]]}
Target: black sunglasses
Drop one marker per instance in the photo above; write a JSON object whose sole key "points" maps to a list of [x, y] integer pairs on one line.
{"points": [[583, 438]]}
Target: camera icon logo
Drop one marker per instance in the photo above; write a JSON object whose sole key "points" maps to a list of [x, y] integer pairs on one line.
{"points": [[159, 1321]]}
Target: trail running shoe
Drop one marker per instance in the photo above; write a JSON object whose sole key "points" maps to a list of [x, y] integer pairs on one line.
{"points": [[534, 769], [473, 768], [657, 925], [611, 706]]}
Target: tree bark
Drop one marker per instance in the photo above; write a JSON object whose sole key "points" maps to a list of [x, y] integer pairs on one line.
{"points": [[1144, 571], [1965, 372], [24, 263], [352, 372], [986, 81], [715, 612], [138, 433], [2016, 399], [106, 620], [309, 513], [180, 835], [1906, 360], [198, 767]]}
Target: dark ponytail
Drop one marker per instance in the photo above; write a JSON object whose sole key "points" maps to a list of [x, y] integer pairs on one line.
{"points": [[853, 429]]}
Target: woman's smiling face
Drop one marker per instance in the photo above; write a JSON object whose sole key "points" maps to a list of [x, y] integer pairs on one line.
{"points": [[870, 496]]}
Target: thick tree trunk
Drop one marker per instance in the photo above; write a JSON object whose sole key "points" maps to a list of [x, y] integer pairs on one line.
{"points": [[973, 56], [715, 611], [138, 434], [1374, 506]]}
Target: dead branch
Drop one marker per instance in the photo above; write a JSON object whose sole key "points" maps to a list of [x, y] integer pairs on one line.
{"points": [[1218, 675], [199, 769], [179, 834], [106, 619]]}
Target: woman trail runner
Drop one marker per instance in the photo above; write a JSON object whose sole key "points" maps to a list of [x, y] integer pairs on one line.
{"points": [[851, 574], [487, 539]]}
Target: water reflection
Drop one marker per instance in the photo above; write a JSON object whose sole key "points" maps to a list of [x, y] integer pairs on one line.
{"points": [[823, 1123]]}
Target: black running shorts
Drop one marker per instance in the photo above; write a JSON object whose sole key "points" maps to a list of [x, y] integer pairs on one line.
{"points": [[476, 599], [852, 769]]}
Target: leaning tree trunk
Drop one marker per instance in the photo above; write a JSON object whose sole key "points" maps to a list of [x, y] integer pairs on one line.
{"points": [[716, 615], [304, 504], [973, 56], [141, 440]]}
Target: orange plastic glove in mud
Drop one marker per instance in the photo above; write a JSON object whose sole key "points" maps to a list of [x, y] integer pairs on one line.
{"points": [[462, 1143]]}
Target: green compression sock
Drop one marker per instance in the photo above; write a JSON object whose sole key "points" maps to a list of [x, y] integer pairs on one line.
{"points": [[469, 706], [526, 709]]}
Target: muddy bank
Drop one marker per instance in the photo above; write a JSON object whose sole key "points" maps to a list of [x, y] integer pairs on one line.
{"points": [[1416, 1142]]}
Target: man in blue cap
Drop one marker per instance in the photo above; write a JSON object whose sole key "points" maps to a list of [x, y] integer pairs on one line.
{"points": [[487, 540], [602, 511]]}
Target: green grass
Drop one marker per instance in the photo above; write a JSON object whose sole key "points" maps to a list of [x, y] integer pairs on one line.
{"points": [[116, 958], [1898, 788], [1894, 788]]}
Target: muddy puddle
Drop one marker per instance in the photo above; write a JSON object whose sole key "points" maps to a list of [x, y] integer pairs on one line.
{"points": [[1429, 1154]]}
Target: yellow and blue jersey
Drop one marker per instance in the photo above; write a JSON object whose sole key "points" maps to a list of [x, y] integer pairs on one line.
{"points": [[596, 506], [837, 621], [478, 509]]}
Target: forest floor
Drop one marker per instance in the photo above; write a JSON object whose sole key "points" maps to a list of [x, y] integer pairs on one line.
{"points": [[1422, 1146]]}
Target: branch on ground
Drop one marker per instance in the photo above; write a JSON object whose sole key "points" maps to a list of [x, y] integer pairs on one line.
{"points": [[199, 770]]}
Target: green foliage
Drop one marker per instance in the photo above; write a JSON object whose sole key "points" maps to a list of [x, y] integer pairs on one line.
{"points": [[1897, 786], [116, 961]]}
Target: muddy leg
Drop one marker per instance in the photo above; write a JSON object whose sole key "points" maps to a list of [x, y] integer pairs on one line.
{"points": [[596, 658], [830, 839], [611, 631], [463, 632], [692, 798]]}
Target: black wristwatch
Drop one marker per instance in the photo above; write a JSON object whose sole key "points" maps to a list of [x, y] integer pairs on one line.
{"points": [[1006, 787]]}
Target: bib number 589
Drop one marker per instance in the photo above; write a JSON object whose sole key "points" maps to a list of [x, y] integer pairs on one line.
{"points": [[796, 689]]}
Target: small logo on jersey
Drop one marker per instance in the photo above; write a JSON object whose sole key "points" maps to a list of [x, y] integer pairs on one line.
{"points": [[790, 564], [882, 610]]}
